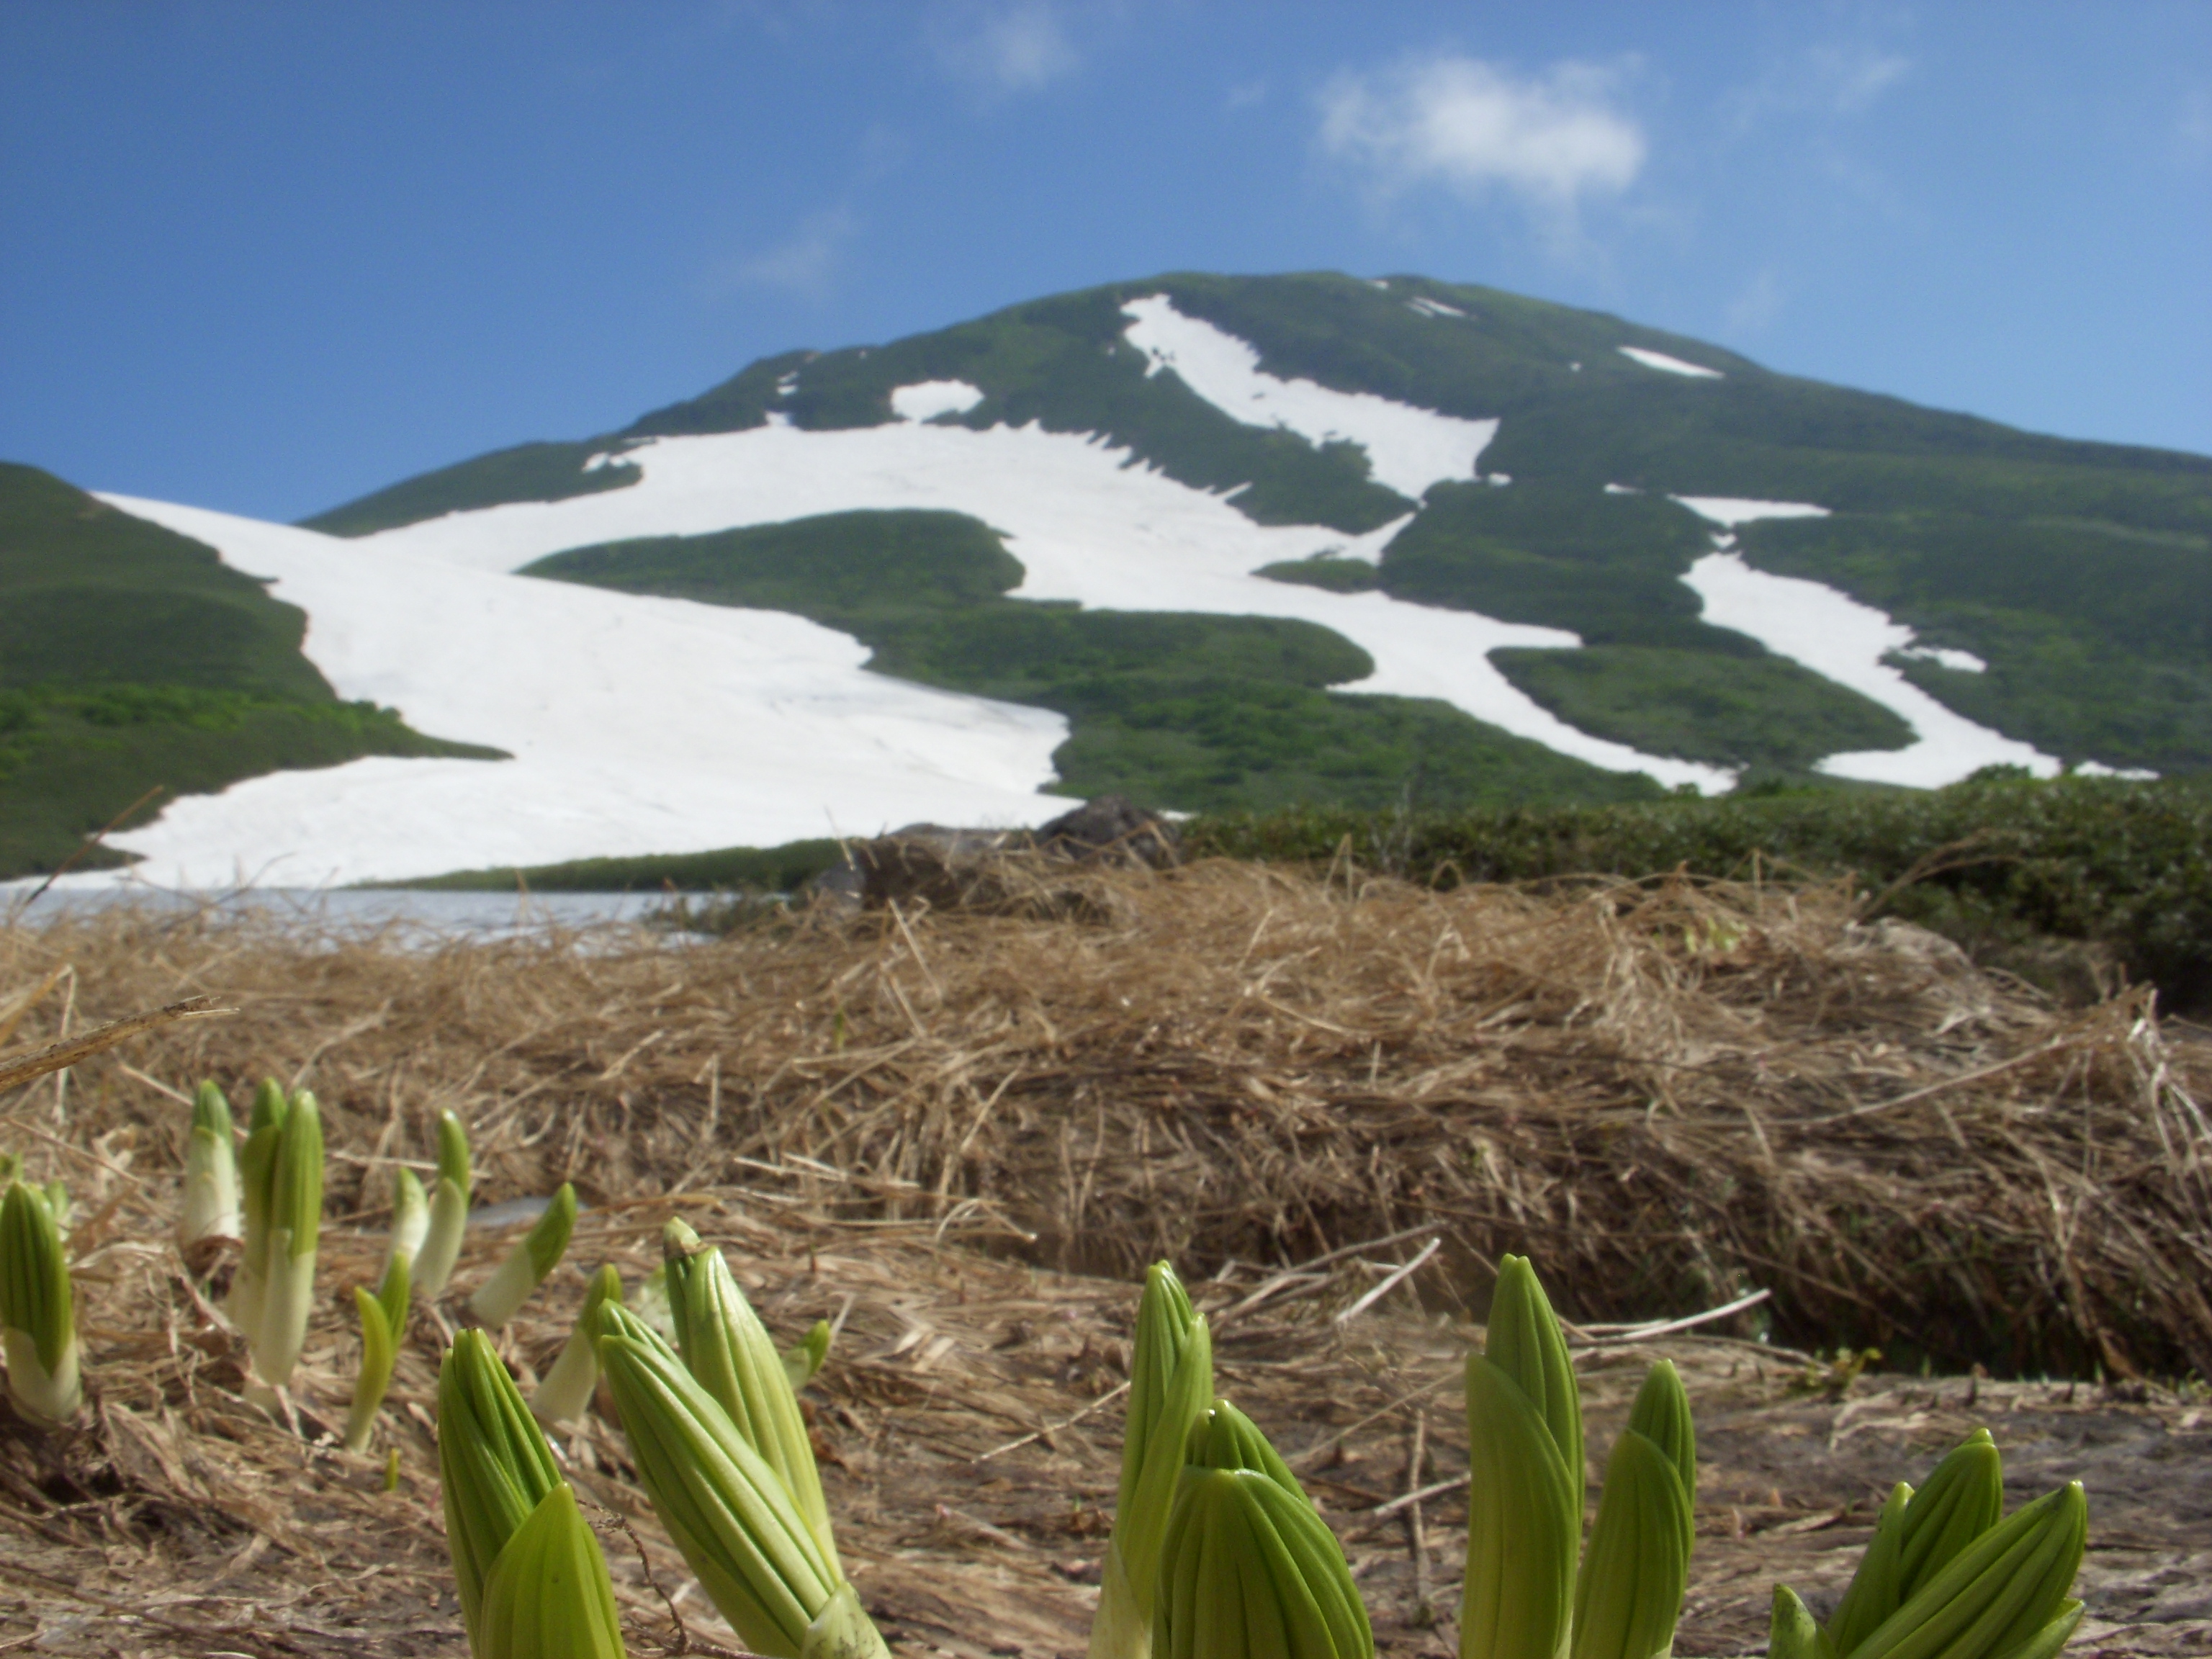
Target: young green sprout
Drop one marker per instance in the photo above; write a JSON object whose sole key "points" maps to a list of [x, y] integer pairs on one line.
{"points": [[566, 1393], [652, 1303], [724, 1345], [210, 1173], [381, 1329], [1629, 1592], [527, 1263], [1525, 1494], [257, 1164], [449, 1211], [534, 1583], [1248, 1570], [411, 1224], [1919, 1534], [1960, 1583], [730, 1514], [803, 1360], [1170, 1382], [282, 1182], [38, 1321]]}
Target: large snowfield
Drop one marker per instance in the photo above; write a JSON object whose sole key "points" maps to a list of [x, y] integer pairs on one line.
{"points": [[659, 725]]}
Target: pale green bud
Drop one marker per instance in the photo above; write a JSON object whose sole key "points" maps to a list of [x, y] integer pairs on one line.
{"points": [[548, 1596], [1525, 1462], [380, 1351], [2000, 1594], [211, 1199], [1795, 1634], [493, 1464], [1170, 1384], [803, 1360], [728, 1512], [1249, 1571], [566, 1393], [38, 1319], [528, 1263], [293, 1222], [729, 1350], [1963, 1499], [449, 1211]]}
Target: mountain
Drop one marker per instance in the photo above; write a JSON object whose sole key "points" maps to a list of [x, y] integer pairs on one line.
{"points": [[132, 658], [1223, 542]]}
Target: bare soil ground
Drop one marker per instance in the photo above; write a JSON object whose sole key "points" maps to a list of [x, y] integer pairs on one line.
{"points": [[1668, 1096]]}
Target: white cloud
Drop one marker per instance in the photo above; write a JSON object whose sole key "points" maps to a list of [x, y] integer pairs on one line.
{"points": [[803, 264], [1472, 125], [1019, 47], [1756, 305], [1849, 78], [1830, 79]]}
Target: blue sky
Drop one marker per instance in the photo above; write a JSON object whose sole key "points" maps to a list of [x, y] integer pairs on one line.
{"points": [[266, 258]]}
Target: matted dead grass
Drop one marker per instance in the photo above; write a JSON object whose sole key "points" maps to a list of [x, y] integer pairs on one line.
{"points": [[1667, 1093]]}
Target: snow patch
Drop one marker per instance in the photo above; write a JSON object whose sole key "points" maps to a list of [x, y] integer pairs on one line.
{"points": [[637, 725], [1660, 360], [1407, 448], [1729, 511], [1498, 477], [1367, 549], [1944, 656], [927, 399], [787, 384], [1622, 489], [1089, 522], [1833, 634], [1428, 307], [2098, 769]]}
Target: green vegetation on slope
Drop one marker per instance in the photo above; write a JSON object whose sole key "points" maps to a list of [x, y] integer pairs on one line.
{"points": [[1764, 713], [2126, 866], [2098, 637], [1609, 567], [1560, 555], [782, 869], [132, 656], [527, 473], [1192, 711]]}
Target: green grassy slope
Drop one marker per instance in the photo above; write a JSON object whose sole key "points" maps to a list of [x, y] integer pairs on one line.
{"points": [[2098, 636], [1192, 711], [132, 656]]}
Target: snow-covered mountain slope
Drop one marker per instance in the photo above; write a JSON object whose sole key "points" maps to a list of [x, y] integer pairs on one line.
{"points": [[1443, 479], [635, 725]]}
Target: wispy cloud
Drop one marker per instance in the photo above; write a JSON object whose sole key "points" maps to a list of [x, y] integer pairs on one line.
{"points": [[1756, 305], [2192, 128], [1021, 47], [1828, 79], [1552, 139], [805, 263]]}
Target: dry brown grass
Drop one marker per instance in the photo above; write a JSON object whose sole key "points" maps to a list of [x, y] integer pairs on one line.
{"points": [[1668, 1093], [1665, 1093]]}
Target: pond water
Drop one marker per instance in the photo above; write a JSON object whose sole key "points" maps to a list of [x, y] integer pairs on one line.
{"points": [[429, 913]]}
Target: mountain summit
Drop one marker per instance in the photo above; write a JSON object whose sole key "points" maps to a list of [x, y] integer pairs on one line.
{"points": [[1219, 542]]}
